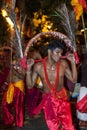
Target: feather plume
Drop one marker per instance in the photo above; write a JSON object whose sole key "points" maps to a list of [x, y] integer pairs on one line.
{"points": [[12, 16], [68, 22]]}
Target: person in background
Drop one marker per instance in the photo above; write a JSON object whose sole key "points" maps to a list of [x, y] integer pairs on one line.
{"points": [[3, 77], [13, 99], [34, 94], [4, 70], [81, 104], [54, 99]]}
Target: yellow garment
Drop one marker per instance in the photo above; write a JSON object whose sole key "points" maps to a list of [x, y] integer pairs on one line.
{"points": [[20, 84], [39, 83], [10, 91], [38, 80]]}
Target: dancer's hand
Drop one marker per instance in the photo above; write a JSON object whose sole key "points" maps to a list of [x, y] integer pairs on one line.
{"points": [[30, 63], [71, 57]]}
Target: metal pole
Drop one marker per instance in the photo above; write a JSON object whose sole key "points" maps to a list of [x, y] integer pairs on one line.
{"points": [[83, 22]]}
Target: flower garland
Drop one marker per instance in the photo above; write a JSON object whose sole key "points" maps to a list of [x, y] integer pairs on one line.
{"points": [[78, 9], [79, 5], [52, 88]]}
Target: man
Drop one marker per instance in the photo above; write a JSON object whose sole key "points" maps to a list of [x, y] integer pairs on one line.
{"points": [[55, 100], [13, 99], [34, 94], [81, 104]]}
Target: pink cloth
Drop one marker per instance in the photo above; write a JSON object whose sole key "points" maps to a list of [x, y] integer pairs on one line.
{"points": [[16, 106]]}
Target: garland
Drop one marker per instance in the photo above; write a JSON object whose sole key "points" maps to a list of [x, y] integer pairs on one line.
{"points": [[53, 88]]}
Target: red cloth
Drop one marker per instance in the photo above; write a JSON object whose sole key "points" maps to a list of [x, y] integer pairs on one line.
{"points": [[57, 111], [83, 3], [23, 63], [82, 105], [76, 57], [33, 96], [3, 76], [17, 105]]}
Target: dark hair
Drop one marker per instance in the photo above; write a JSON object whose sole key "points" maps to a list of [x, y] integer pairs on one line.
{"points": [[55, 44]]}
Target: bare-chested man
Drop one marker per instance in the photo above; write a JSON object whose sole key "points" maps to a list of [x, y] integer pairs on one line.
{"points": [[55, 100]]}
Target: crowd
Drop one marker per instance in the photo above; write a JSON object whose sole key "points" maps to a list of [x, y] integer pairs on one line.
{"points": [[42, 86]]}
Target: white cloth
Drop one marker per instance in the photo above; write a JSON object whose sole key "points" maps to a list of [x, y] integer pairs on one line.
{"points": [[75, 93], [82, 93]]}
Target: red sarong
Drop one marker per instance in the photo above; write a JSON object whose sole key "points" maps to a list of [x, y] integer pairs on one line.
{"points": [[14, 111], [57, 111]]}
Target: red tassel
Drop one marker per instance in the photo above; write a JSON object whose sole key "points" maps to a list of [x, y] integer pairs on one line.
{"points": [[23, 62], [76, 57]]}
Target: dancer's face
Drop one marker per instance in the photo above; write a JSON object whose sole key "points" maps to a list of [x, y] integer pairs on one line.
{"points": [[56, 54]]}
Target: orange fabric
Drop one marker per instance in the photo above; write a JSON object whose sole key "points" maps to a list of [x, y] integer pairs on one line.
{"points": [[62, 94]]}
